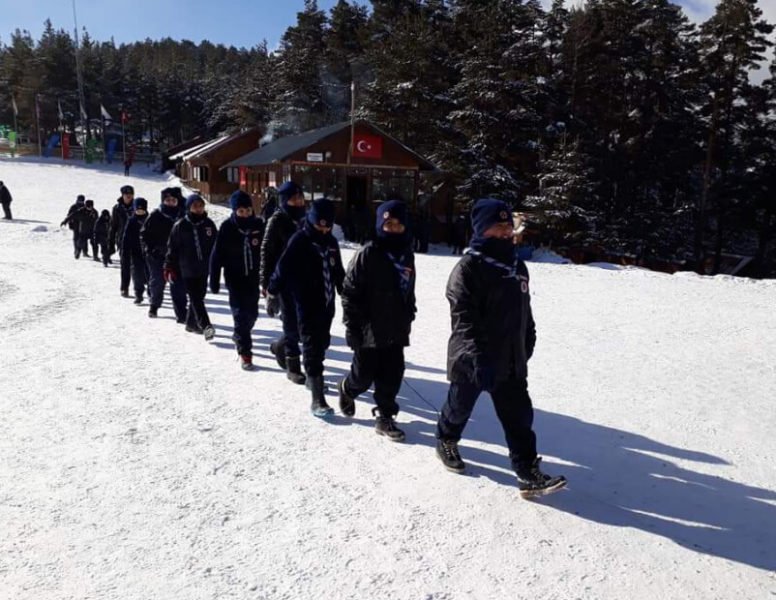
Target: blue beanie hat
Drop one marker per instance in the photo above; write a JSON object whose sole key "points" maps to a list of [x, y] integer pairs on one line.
{"points": [[127, 189], [240, 199], [140, 203], [288, 189], [488, 212], [321, 213], [80, 198], [392, 209], [192, 198]]}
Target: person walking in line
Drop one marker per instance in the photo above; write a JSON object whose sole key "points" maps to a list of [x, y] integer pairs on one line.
{"points": [[378, 305], [493, 337], [188, 257]]}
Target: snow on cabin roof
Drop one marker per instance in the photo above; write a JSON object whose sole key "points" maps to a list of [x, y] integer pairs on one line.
{"points": [[282, 148], [196, 150]]}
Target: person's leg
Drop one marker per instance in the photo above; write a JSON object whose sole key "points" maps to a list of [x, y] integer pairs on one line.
{"points": [[179, 299], [515, 411], [197, 288], [314, 345], [138, 277], [155, 281], [83, 241], [244, 306], [126, 271], [362, 372], [290, 326], [7, 211], [388, 377], [76, 244], [461, 398], [104, 251]]}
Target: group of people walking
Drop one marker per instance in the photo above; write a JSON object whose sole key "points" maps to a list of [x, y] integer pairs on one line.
{"points": [[292, 260]]}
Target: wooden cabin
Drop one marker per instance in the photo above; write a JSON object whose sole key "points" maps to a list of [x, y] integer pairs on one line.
{"points": [[201, 165], [356, 165]]}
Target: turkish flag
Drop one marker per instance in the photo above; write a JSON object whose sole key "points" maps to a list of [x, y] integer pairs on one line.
{"points": [[367, 146]]}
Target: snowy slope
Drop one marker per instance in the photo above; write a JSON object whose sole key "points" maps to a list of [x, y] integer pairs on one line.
{"points": [[139, 462]]}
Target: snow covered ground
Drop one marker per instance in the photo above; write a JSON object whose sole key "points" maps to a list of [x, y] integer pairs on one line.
{"points": [[138, 461]]}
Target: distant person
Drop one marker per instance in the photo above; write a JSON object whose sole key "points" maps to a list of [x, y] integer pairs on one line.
{"points": [[86, 228], [100, 236], [154, 236], [5, 200], [122, 211], [460, 233], [132, 247], [309, 273], [188, 259], [71, 220]]}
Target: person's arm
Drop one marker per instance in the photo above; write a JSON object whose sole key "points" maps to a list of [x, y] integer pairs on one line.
{"points": [[464, 295], [268, 258], [338, 271], [216, 262], [354, 297], [279, 282]]}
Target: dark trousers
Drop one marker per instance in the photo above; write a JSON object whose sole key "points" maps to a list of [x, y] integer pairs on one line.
{"points": [[244, 302], [139, 278], [513, 408], [83, 243], [95, 247], [315, 340], [104, 250], [156, 288], [196, 288], [290, 339], [7, 211], [126, 271], [382, 366], [76, 243]]}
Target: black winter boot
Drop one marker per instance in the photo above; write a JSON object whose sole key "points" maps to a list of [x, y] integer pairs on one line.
{"points": [[279, 352], [319, 407], [346, 403], [385, 425], [532, 482], [294, 370], [447, 451]]}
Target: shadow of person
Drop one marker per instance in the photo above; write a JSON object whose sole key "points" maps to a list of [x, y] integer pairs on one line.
{"points": [[621, 479]]}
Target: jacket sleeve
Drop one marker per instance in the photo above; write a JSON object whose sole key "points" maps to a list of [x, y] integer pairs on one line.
{"points": [[465, 311], [172, 261], [339, 270], [530, 327], [126, 241], [353, 293], [146, 237], [215, 257], [268, 254], [113, 234], [279, 281], [411, 301]]}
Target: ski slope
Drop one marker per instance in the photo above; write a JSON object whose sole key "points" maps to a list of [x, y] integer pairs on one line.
{"points": [[137, 461]]}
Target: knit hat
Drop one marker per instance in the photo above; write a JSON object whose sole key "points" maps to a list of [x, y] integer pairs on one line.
{"points": [[80, 198], [393, 209], [240, 199], [140, 204], [287, 190], [321, 213], [105, 214], [167, 192], [488, 212], [192, 198], [89, 203], [127, 189]]}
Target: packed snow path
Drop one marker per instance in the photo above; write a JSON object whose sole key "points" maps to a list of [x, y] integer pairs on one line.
{"points": [[138, 461]]}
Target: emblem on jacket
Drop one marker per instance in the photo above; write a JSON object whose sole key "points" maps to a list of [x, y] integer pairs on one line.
{"points": [[255, 241], [209, 231]]}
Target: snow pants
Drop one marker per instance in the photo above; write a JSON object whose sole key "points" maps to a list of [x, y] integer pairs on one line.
{"points": [[139, 278], [156, 285], [244, 303], [513, 408], [196, 288], [290, 339], [7, 211], [382, 366], [126, 271], [315, 338]]}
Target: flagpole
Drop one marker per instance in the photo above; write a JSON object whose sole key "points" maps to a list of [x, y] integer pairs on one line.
{"points": [[79, 77], [15, 112], [352, 117], [37, 124], [61, 129]]}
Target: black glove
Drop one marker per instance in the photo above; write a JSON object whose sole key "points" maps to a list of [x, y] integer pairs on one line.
{"points": [[354, 339], [273, 306], [485, 377]]}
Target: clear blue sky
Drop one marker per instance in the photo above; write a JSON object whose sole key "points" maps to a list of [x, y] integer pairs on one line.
{"points": [[230, 22]]}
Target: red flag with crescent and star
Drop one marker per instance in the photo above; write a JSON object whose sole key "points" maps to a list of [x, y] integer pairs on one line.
{"points": [[367, 146]]}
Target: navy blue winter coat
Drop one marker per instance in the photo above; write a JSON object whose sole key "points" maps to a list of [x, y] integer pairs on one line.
{"points": [[238, 252], [118, 221], [156, 232], [100, 230], [189, 247], [300, 271], [280, 228], [130, 243]]}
